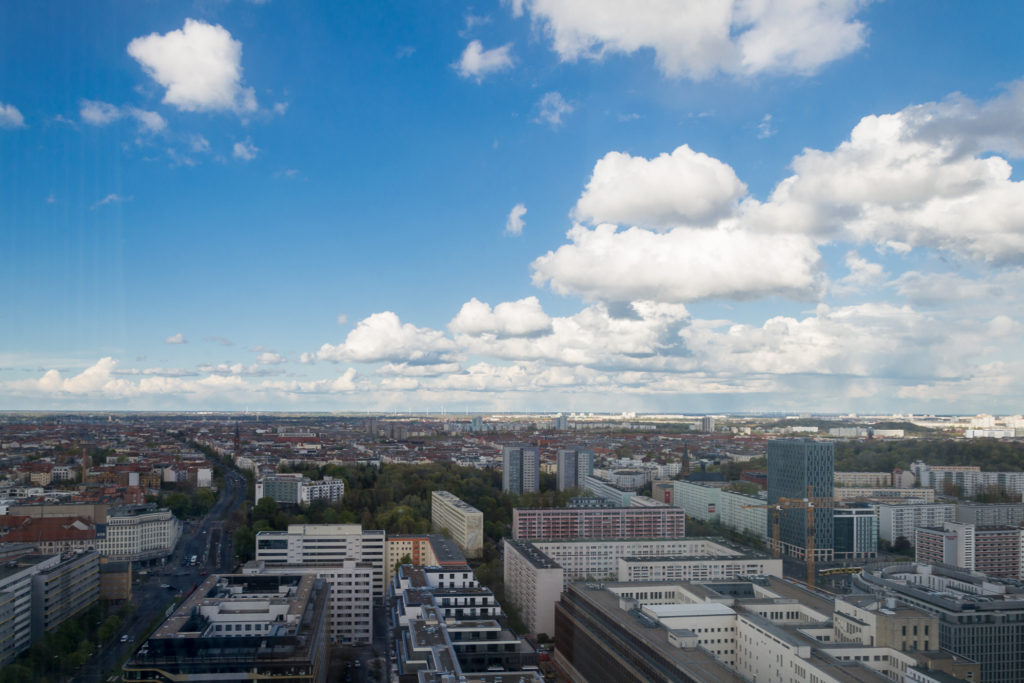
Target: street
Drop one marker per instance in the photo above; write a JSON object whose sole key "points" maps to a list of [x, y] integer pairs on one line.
{"points": [[209, 539]]}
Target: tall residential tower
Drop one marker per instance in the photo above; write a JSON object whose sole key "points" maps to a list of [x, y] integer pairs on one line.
{"points": [[520, 469]]}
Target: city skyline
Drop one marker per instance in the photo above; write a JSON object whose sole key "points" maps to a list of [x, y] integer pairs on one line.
{"points": [[512, 207]]}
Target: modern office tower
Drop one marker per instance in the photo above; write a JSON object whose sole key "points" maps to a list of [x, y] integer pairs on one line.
{"points": [[574, 466], [796, 467], [520, 469], [463, 521], [241, 628], [325, 544], [608, 523], [856, 532]]}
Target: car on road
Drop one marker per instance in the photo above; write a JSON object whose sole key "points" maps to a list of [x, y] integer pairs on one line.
{"points": [[124, 639], [165, 585]]}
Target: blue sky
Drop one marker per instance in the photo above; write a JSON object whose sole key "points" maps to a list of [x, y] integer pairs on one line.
{"points": [[524, 205]]}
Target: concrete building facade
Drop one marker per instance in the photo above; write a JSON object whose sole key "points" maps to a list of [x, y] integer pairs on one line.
{"points": [[520, 469], [463, 521]]}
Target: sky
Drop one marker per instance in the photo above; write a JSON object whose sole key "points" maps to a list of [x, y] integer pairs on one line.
{"points": [[523, 205]]}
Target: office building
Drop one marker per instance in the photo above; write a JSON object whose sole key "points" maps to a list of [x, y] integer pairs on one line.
{"points": [[901, 520], [980, 618], [325, 544], [520, 469], [605, 523], [856, 532], [574, 466], [350, 603], [796, 467], [257, 628], [707, 424], [463, 522], [139, 532], [760, 629]]}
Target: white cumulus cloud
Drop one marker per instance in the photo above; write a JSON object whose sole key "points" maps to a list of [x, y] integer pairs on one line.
{"points": [[509, 319], [681, 188], [680, 265], [478, 63], [383, 337], [514, 223], [178, 338], [200, 65], [698, 38], [10, 116]]}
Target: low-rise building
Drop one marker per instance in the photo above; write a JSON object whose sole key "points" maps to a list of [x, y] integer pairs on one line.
{"points": [[421, 550], [242, 628], [139, 532]]}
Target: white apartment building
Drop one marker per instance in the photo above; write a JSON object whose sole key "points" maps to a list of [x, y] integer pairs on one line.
{"points": [[350, 603], [533, 583], [695, 568], [901, 519], [463, 521], [735, 512], [295, 489], [325, 544], [700, 501], [863, 479], [535, 572], [17, 581], [859, 492], [139, 532]]}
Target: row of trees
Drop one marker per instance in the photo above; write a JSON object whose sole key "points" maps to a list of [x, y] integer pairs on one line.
{"points": [[61, 653], [883, 456]]}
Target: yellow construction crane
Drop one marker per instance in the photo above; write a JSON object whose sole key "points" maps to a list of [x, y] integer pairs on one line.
{"points": [[809, 503]]}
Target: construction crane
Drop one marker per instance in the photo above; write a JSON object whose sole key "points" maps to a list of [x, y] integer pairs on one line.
{"points": [[809, 504]]}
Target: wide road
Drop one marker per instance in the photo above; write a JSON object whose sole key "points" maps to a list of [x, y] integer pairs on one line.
{"points": [[210, 540]]}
